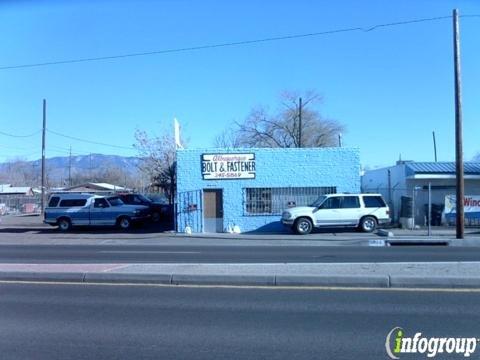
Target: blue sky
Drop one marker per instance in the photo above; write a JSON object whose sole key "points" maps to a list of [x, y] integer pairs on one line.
{"points": [[390, 87]]}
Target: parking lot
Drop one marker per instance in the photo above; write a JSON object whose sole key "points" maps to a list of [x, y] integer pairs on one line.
{"points": [[25, 240], [30, 229]]}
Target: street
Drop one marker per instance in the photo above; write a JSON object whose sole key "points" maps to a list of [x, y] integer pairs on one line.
{"points": [[230, 254], [45, 321]]}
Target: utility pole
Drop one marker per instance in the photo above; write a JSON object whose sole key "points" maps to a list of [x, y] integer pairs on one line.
{"points": [[460, 220], [300, 122], [389, 180], [339, 140], [42, 202], [434, 146], [70, 167], [429, 209]]}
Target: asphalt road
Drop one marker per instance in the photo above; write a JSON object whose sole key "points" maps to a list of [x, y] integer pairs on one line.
{"points": [[230, 254], [44, 321]]}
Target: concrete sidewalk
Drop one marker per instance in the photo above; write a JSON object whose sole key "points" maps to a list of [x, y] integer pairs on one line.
{"points": [[437, 231], [372, 275]]}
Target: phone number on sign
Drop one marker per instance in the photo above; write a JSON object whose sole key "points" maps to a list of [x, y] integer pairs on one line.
{"points": [[228, 175]]}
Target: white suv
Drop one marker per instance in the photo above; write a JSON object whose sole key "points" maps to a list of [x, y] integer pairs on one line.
{"points": [[364, 211]]}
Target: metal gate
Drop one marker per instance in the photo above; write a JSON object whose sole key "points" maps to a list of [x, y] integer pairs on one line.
{"points": [[189, 211]]}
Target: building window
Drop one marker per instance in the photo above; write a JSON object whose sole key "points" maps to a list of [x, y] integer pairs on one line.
{"points": [[258, 201], [272, 201]]}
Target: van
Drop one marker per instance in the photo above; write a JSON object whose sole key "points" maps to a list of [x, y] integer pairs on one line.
{"points": [[364, 211], [68, 210]]}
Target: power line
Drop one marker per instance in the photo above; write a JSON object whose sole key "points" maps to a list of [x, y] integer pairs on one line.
{"points": [[17, 148], [60, 149], [16, 156], [90, 141], [20, 136], [231, 44], [67, 150]]}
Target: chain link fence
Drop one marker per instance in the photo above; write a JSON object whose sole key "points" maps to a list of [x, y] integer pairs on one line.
{"points": [[20, 204], [409, 207]]}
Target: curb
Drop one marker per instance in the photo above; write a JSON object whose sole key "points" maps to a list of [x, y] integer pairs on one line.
{"points": [[353, 281], [254, 280], [42, 276], [451, 282], [377, 281], [419, 242], [386, 233], [127, 278]]}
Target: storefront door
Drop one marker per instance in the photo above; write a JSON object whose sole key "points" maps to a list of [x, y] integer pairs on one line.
{"points": [[213, 210]]}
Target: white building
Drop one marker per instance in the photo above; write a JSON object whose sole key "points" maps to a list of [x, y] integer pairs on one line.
{"points": [[411, 179]]}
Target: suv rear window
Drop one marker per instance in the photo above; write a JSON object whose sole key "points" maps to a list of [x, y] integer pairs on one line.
{"points": [[53, 201], [374, 201], [73, 202]]}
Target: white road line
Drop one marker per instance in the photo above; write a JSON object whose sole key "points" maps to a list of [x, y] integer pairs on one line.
{"points": [[259, 287]]}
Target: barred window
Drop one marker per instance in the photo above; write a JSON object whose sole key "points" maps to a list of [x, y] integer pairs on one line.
{"points": [[272, 201]]}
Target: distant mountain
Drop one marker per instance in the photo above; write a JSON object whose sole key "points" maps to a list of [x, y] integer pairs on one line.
{"points": [[81, 166], [93, 161]]}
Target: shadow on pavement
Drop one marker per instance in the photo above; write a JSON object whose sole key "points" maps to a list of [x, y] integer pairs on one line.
{"points": [[136, 229], [286, 231]]}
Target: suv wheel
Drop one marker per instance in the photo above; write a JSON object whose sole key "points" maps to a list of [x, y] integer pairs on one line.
{"points": [[124, 223], [155, 216], [64, 224], [303, 226], [368, 224]]}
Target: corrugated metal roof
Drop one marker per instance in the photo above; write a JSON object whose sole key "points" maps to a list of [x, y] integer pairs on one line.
{"points": [[470, 168], [16, 190], [95, 186], [108, 186]]}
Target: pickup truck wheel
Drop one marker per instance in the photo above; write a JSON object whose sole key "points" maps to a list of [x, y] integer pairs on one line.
{"points": [[124, 223], [64, 224], [303, 226], [155, 216], [368, 224]]}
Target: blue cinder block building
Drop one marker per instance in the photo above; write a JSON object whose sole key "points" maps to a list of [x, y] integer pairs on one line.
{"points": [[220, 190]]}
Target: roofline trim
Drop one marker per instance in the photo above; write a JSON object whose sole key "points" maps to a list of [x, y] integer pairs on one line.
{"points": [[441, 176]]}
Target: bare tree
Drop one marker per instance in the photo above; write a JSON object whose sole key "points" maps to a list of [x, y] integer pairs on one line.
{"points": [[19, 172], [158, 155], [228, 138], [282, 129]]}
